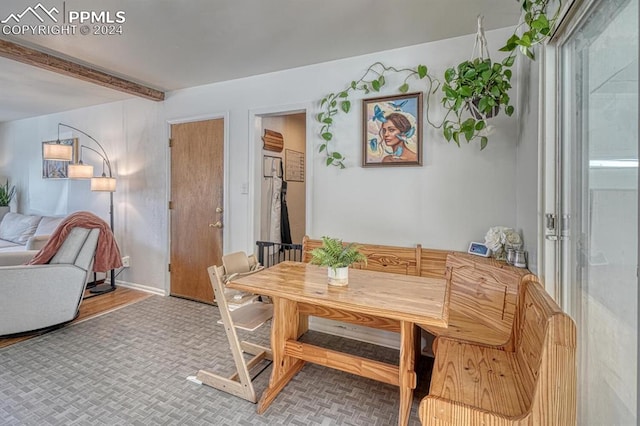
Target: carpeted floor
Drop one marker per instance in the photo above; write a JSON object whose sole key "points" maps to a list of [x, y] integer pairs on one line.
{"points": [[129, 367]]}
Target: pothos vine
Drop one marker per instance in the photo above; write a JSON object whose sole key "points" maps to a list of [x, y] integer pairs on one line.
{"points": [[478, 85]]}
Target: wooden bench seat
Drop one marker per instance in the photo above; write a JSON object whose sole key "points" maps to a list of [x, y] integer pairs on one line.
{"points": [[534, 383], [482, 299]]}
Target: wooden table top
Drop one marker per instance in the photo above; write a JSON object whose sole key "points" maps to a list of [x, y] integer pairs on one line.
{"points": [[400, 297]]}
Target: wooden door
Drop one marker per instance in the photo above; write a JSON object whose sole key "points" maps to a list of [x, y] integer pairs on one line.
{"points": [[197, 163]]}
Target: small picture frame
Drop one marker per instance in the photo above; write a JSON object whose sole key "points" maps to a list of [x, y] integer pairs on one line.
{"points": [[479, 249], [392, 131], [54, 169]]}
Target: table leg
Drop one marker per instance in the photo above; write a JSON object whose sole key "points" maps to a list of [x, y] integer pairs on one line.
{"points": [[284, 326], [407, 370]]}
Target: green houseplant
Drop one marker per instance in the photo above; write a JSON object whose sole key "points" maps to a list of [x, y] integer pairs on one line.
{"points": [[337, 257], [480, 87], [6, 194]]}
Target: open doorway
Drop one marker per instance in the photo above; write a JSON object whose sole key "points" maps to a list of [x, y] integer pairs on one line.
{"points": [[282, 189]]}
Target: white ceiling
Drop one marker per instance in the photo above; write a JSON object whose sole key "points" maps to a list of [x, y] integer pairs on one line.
{"points": [[173, 44]]}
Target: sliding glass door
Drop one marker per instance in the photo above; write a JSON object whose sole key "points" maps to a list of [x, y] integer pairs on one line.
{"points": [[598, 200]]}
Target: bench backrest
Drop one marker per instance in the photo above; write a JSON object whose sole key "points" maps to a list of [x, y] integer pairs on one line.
{"points": [[414, 261], [485, 291], [545, 339]]}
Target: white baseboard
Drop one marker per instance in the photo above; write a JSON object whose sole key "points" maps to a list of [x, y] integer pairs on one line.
{"points": [[145, 288], [355, 332]]}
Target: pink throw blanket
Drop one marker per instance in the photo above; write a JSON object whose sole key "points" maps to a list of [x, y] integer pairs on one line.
{"points": [[107, 251]]}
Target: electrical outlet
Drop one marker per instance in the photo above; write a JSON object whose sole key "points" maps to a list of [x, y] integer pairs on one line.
{"points": [[126, 261]]}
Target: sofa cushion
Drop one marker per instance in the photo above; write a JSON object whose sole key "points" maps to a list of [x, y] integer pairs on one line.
{"points": [[7, 245], [47, 225], [18, 228]]}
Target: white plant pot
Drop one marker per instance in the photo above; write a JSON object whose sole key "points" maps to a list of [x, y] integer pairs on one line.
{"points": [[3, 210], [338, 276]]}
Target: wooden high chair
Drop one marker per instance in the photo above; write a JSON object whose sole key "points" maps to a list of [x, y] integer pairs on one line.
{"points": [[248, 317]]}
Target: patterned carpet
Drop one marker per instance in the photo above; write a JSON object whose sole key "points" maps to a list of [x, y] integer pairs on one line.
{"points": [[129, 367]]}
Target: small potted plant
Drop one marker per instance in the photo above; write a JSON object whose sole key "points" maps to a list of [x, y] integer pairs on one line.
{"points": [[6, 195], [337, 257]]}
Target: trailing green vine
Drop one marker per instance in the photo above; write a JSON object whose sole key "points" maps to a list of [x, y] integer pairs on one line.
{"points": [[473, 91], [371, 81]]}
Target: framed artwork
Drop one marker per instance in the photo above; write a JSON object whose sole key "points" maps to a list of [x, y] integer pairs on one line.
{"points": [[392, 130], [294, 166], [53, 169]]}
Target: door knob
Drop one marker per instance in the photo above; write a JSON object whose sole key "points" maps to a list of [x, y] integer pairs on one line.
{"points": [[218, 209], [218, 224]]}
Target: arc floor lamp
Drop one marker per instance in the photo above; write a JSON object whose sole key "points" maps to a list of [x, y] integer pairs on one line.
{"points": [[80, 170]]}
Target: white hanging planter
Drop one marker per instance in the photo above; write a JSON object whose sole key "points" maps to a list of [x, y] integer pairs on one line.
{"points": [[338, 277]]}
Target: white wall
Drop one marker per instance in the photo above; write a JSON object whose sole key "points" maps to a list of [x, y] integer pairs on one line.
{"points": [[527, 172], [452, 199]]}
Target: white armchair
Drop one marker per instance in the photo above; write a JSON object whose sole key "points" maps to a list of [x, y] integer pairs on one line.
{"points": [[33, 297]]}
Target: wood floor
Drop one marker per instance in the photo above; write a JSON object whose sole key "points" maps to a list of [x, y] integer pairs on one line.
{"points": [[93, 307]]}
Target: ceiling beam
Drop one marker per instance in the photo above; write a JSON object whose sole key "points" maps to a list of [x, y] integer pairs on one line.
{"points": [[48, 62]]}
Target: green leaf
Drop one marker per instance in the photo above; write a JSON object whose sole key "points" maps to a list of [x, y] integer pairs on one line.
{"points": [[319, 116], [333, 103], [470, 74], [328, 120], [482, 105], [345, 105], [337, 155], [449, 92], [508, 74], [495, 92], [322, 147], [344, 94], [446, 131], [327, 136], [509, 60], [509, 110], [468, 134], [422, 71], [480, 124], [449, 75], [483, 142], [354, 85], [375, 85], [404, 88], [381, 80], [456, 138], [465, 91], [329, 161], [486, 75]]}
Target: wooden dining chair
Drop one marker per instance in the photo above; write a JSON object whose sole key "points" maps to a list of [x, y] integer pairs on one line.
{"points": [[247, 317]]}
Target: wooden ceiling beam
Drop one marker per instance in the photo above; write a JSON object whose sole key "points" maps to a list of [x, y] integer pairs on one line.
{"points": [[48, 62]]}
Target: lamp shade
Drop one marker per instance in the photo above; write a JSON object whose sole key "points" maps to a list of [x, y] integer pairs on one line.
{"points": [[57, 151], [80, 171], [105, 184]]}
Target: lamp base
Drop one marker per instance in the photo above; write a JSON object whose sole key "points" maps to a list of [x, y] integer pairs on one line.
{"points": [[102, 289]]}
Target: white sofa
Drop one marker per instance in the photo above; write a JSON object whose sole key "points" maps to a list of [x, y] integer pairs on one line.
{"points": [[34, 297], [19, 232]]}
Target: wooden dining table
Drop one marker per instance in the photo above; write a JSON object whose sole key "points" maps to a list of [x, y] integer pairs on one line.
{"points": [[376, 299]]}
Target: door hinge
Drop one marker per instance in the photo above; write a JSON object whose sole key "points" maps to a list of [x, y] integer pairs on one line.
{"points": [[170, 143], [170, 205], [169, 267]]}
